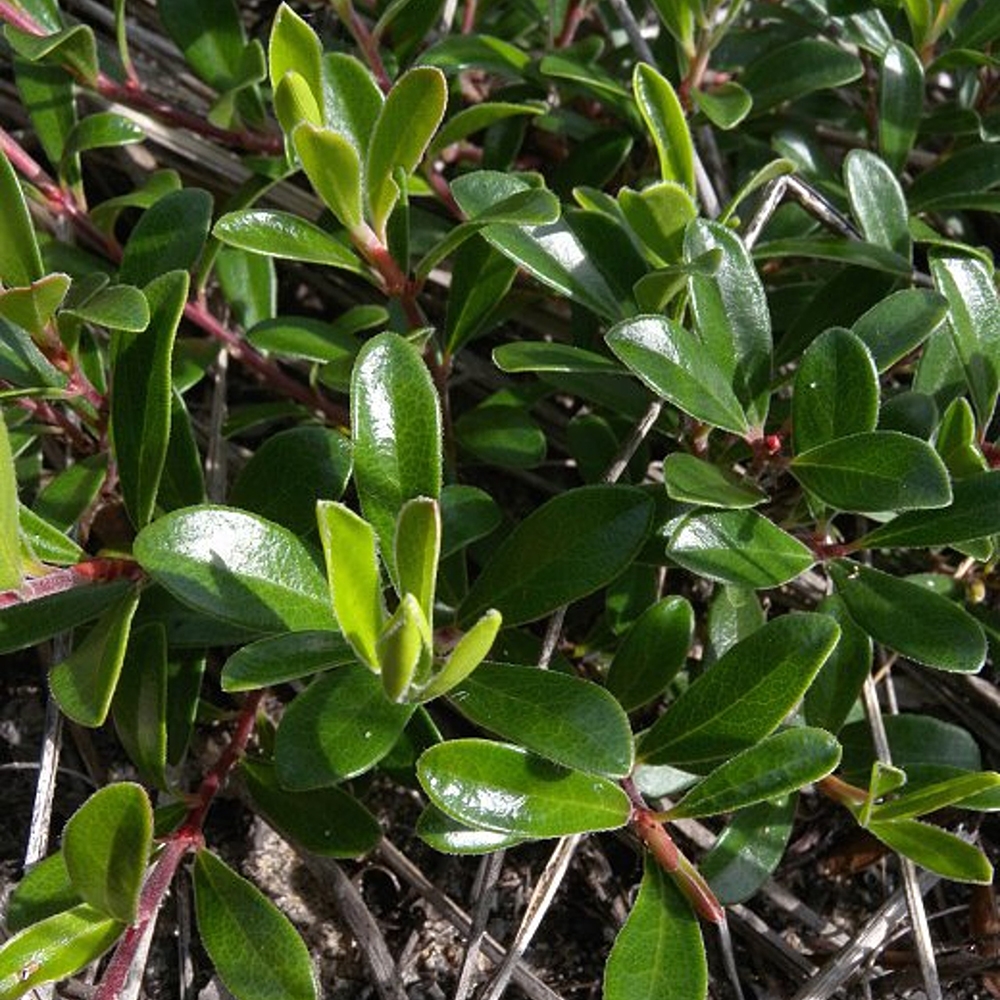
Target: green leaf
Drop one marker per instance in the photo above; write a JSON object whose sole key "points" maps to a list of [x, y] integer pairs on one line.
{"points": [[295, 104], [106, 844], [44, 890], [410, 116], [257, 953], [468, 653], [84, 683], [651, 654], [900, 323], [510, 790], [29, 623], [664, 117], [351, 553], [551, 253], [326, 821], [911, 619], [448, 836], [936, 796], [467, 514], [417, 549], [46, 541], [339, 727], [500, 431], [169, 236], [141, 398], [859, 253], [480, 280], [725, 106], [974, 323], [293, 45], [72, 491], [956, 178], [33, 307], [772, 768], [101, 130], [458, 52], [10, 532], [20, 260], [351, 99], [73, 48], [48, 94], [120, 307], [139, 707], [745, 695], [659, 952], [282, 658], [404, 648], [835, 691], [535, 356], [55, 948], [973, 513], [281, 234], [396, 429], [738, 546], [789, 72], [658, 215], [900, 103], [748, 850], [693, 480], [238, 567], [935, 849], [590, 731], [874, 471], [331, 163], [731, 315], [477, 117], [956, 440], [210, 36], [569, 547], [877, 202], [674, 363], [836, 390]]}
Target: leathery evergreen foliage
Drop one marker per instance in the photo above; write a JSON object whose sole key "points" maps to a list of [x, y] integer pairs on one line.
{"points": [[639, 406]]}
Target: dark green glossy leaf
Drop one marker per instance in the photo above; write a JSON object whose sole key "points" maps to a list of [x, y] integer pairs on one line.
{"points": [[101, 130], [664, 117], [458, 52], [44, 890], [590, 732], [659, 952], [139, 707], [911, 619], [477, 117], [956, 178], [106, 845], [327, 821], [738, 546], [569, 547], [27, 624], [674, 363], [749, 850], [772, 768], [500, 431], [84, 683], [653, 651], [510, 790], [900, 103], [877, 201], [55, 948], [467, 514], [900, 323], [340, 726], [936, 850], [141, 398], [552, 253], [789, 72], [834, 692], [333, 344], [974, 323], [935, 796], [536, 356], [725, 106], [257, 953], [448, 836], [282, 658], [973, 513], [731, 315], [48, 94], [210, 36], [169, 236], [281, 234], [733, 614], [743, 697], [120, 307], [396, 429], [836, 390], [957, 440], [858, 253], [480, 280], [693, 480], [72, 491], [238, 567], [874, 471], [290, 471], [20, 261]]}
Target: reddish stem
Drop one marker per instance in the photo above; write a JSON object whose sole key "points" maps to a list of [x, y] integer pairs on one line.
{"points": [[575, 16], [368, 44], [469, 17]]}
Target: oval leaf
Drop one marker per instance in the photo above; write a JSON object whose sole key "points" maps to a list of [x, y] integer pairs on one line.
{"points": [[900, 323], [745, 695], [238, 567], [282, 658], [877, 201], [569, 547], [449, 836], [20, 259], [256, 951], [900, 103], [935, 849], [510, 790], [692, 480], [663, 114]]}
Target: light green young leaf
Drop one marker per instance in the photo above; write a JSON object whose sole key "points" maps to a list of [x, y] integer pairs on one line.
{"points": [[935, 796], [294, 103], [256, 951], [73, 48], [510, 790], [351, 552], [469, 652], [658, 215], [120, 307], [10, 532], [659, 952], [957, 440], [417, 549], [20, 260], [294, 46], [404, 648], [664, 117], [106, 844], [331, 163], [352, 99], [34, 306], [406, 124]]}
